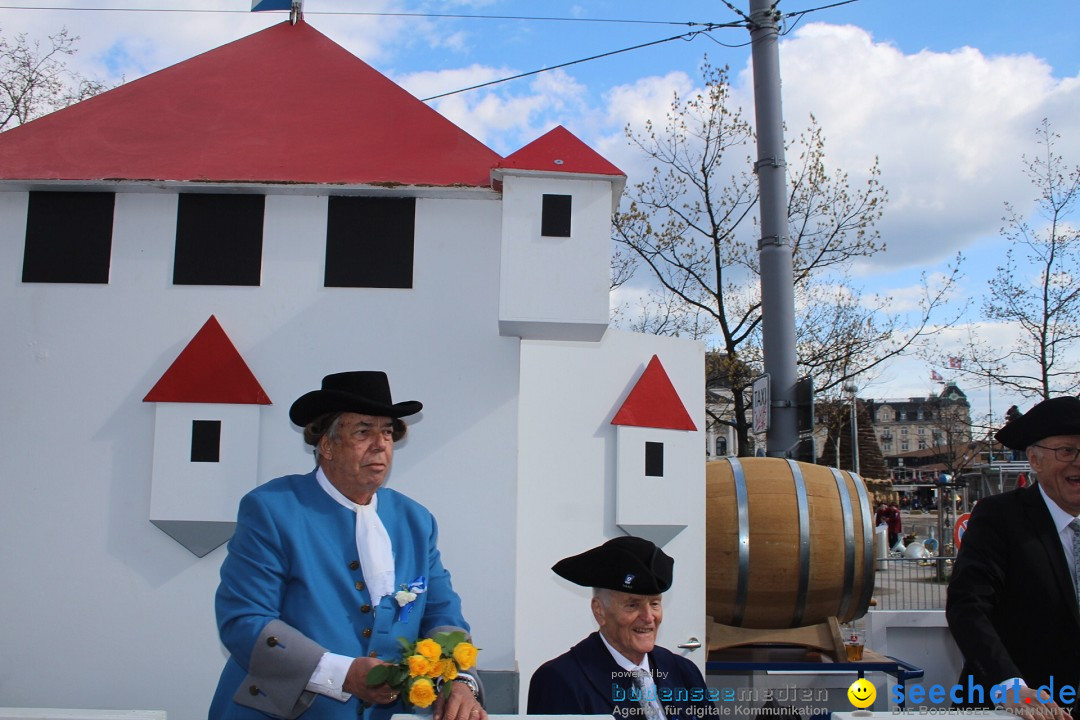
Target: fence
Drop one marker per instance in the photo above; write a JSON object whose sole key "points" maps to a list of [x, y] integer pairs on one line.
{"points": [[911, 583]]}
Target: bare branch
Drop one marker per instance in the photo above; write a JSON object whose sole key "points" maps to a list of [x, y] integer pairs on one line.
{"points": [[692, 223], [35, 79], [1035, 292]]}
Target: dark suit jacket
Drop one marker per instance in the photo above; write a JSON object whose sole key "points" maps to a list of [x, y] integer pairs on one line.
{"points": [[586, 680], [1011, 604]]}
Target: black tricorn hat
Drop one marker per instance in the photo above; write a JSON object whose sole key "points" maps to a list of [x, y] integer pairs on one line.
{"points": [[359, 391], [1056, 416], [628, 564]]}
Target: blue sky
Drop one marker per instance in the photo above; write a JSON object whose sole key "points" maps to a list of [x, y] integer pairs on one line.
{"points": [[946, 93]]}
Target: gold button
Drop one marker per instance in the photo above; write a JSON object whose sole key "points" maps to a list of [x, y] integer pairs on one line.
{"points": [[367, 632], [360, 585], [354, 565], [365, 608], [254, 689], [373, 654], [272, 641]]}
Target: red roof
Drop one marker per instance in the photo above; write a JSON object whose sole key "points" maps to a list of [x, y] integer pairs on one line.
{"points": [[286, 104], [560, 151], [654, 403], [209, 370]]}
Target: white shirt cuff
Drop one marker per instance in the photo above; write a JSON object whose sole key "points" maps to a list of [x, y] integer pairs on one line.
{"points": [[329, 676]]}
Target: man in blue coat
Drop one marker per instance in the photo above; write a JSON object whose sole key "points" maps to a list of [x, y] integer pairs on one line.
{"points": [[328, 569], [620, 670]]}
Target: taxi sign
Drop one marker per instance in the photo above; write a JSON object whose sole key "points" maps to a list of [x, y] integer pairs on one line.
{"points": [[760, 407]]}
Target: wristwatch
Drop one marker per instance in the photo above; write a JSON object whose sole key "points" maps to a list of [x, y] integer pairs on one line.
{"points": [[469, 681]]}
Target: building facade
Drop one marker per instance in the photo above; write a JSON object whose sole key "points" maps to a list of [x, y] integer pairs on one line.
{"points": [[921, 437]]}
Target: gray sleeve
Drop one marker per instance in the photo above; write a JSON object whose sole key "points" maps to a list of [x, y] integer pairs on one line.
{"points": [[280, 667]]}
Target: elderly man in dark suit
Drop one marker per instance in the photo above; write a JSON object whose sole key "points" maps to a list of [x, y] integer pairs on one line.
{"points": [[1012, 601], [620, 669]]}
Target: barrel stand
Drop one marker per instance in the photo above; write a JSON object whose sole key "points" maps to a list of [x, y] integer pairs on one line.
{"points": [[824, 636]]}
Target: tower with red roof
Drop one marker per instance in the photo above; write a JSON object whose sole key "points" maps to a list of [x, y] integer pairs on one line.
{"points": [[206, 440], [558, 195], [655, 435]]}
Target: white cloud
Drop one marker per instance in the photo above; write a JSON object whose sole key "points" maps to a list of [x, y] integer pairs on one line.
{"points": [[505, 117], [134, 43], [949, 129]]}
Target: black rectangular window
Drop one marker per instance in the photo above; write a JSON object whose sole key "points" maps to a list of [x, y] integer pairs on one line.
{"points": [[68, 237], [369, 242], [205, 441], [654, 459], [219, 239], [555, 216]]}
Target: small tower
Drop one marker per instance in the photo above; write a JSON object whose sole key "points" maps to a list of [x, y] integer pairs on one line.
{"points": [[558, 197], [653, 496], [206, 440]]}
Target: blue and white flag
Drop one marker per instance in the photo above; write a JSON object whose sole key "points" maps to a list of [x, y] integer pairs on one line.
{"points": [[265, 5]]}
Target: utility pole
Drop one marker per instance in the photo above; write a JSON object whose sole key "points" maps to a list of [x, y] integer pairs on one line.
{"points": [[774, 248]]}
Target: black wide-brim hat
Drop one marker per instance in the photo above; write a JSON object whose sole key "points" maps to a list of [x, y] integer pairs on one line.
{"points": [[360, 391], [628, 564], [1056, 416]]}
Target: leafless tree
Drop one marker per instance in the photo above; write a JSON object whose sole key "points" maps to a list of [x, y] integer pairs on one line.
{"points": [[1036, 290], [35, 78], [692, 224]]}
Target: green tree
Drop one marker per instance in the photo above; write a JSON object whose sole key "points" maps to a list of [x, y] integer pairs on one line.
{"points": [[692, 224]]}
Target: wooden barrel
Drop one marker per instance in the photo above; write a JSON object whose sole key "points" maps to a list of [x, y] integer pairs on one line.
{"points": [[787, 543]]}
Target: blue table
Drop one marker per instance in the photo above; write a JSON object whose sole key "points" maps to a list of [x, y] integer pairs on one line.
{"points": [[765, 658]]}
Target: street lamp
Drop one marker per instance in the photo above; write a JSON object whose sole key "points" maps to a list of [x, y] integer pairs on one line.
{"points": [[850, 388]]}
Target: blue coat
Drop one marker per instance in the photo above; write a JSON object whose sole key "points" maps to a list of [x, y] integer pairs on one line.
{"points": [[292, 588], [586, 680]]}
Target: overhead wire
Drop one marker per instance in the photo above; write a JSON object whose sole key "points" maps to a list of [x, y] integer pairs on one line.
{"points": [[124, 9], [703, 28], [685, 36], [360, 13]]}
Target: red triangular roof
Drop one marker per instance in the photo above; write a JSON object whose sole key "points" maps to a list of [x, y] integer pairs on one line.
{"points": [[654, 403], [286, 104], [559, 150], [209, 370]]}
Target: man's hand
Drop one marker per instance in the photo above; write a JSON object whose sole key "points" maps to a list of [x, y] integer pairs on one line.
{"points": [[356, 683], [1034, 705], [461, 704]]}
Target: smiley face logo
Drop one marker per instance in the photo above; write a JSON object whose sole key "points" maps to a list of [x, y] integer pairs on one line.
{"points": [[862, 693]]}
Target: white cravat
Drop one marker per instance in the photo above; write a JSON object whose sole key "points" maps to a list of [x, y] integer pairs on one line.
{"points": [[372, 541]]}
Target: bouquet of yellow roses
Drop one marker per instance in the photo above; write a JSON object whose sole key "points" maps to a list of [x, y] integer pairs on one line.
{"points": [[427, 667]]}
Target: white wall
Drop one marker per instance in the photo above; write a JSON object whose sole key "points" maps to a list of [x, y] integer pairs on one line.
{"points": [[203, 491], [566, 485], [920, 638], [102, 609]]}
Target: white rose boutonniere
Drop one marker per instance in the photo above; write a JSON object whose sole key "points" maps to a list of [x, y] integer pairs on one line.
{"points": [[406, 596]]}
